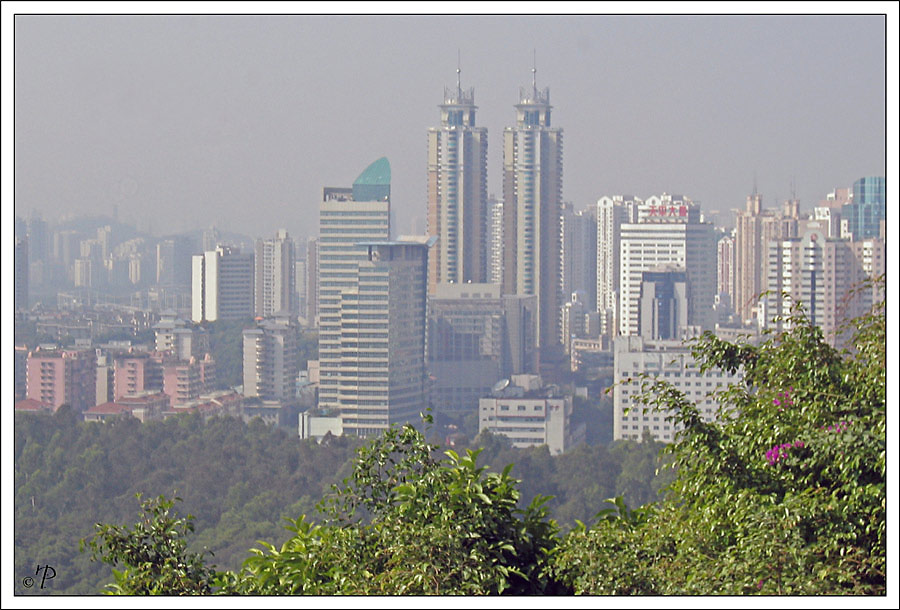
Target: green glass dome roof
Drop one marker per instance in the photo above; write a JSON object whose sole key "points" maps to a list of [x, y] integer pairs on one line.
{"points": [[374, 184]]}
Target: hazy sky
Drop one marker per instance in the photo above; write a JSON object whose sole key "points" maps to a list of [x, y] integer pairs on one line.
{"points": [[183, 121]]}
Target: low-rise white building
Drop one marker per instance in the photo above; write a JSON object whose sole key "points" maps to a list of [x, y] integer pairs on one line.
{"points": [[530, 415]]}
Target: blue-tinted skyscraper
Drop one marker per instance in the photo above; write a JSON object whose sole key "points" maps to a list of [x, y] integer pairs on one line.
{"points": [[866, 211]]}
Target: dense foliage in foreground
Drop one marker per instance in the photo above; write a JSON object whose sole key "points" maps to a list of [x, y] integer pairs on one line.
{"points": [[784, 495], [240, 480]]}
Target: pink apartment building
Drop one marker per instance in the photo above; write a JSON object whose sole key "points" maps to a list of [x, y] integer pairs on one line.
{"points": [[57, 377]]}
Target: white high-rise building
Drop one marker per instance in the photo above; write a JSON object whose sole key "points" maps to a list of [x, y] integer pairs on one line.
{"points": [[495, 212], [222, 285], [578, 262], [312, 283], [457, 192], [725, 268], [611, 213], [668, 233], [276, 283], [532, 200], [271, 358], [822, 274], [755, 227], [381, 366], [347, 217]]}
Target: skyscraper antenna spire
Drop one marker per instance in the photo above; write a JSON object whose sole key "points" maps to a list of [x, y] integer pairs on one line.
{"points": [[534, 74], [458, 83]]}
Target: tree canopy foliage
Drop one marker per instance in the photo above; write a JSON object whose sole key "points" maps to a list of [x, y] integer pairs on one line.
{"points": [[785, 494], [239, 479], [405, 522]]}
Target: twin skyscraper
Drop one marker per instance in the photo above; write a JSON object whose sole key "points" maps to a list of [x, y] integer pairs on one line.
{"points": [[527, 230]]}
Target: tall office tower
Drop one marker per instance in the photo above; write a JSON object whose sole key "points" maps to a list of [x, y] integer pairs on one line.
{"points": [[20, 277], [272, 358], [165, 262], [725, 269], [104, 237], [38, 239], [821, 274], [347, 216], [532, 199], [866, 211], [611, 213], [457, 192], [302, 281], [579, 254], [476, 336], [222, 285], [173, 261], [88, 268], [275, 283], [312, 283], [663, 304], [495, 215], [668, 232], [138, 269], [381, 351], [66, 246], [754, 229], [38, 251], [58, 377]]}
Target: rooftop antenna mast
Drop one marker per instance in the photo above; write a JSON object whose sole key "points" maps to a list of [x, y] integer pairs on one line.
{"points": [[534, 74], [458, 85]]}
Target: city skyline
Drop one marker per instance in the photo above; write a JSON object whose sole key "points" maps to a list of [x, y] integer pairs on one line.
{"points": [[180, 122]]}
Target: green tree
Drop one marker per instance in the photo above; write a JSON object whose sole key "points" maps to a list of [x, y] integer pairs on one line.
{"points": [[153, 554], [406, 522], [784, 494]]}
